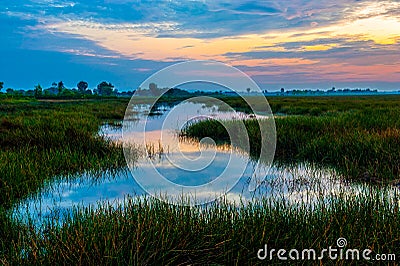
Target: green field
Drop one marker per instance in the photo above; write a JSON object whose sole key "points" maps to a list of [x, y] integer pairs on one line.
{"points": [[358, 136]]}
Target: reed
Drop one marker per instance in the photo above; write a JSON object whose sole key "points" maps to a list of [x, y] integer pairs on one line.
{"points": [[39, 141], [146, 231]]}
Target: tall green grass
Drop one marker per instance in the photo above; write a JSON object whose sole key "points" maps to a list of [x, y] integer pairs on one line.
{"points": [[362, 144], [318, 105], [146, 231], [41, 140]]}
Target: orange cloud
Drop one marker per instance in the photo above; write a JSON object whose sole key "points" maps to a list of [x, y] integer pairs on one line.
{"points": [[136, 41], [339, 72], [369, 22]]}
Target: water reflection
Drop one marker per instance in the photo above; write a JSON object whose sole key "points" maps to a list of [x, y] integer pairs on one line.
{"points": [[301, 183], [298, 183], [172, 165]]}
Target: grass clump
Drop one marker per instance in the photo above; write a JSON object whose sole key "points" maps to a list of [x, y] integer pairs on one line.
{"points": [[40, 140], [145, 231]]}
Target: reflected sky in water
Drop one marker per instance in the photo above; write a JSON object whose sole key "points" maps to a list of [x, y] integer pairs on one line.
{"points": [[298, 183]]}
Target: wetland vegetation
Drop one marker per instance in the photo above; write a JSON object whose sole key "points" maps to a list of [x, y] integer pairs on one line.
{"points": [[358, 136]]}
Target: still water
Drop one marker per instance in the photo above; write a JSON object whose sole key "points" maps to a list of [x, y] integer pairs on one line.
{"points": [[183, 162]]}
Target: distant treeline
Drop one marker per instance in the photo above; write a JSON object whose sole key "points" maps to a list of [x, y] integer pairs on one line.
{"points": [[58, 90], [106, 89], [103, 89]]}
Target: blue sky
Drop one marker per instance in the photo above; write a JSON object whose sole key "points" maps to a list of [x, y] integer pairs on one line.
{"points": [[291, 44]]}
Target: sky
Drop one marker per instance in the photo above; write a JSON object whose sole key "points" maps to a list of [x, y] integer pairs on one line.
{"points": [[297, 44]]}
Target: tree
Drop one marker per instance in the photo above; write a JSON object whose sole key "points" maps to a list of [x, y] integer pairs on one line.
{"points": [[38, 91], [248, 90], [282, 90], [60, 87], [153, 89], [1, 85], [10, 91], [105, 88], [82, 86]]}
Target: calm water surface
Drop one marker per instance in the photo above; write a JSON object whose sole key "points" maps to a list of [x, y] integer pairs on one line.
{"points": [[297, 183]]}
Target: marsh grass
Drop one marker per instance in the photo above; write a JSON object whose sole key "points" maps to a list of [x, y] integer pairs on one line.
{"points": [[156, 149], [41, 140], [146, 231], [363, 144]]}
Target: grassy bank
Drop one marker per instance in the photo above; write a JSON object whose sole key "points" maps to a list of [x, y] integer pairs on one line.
{"points": [[360, 137], [150, 232], [41, 140]]}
